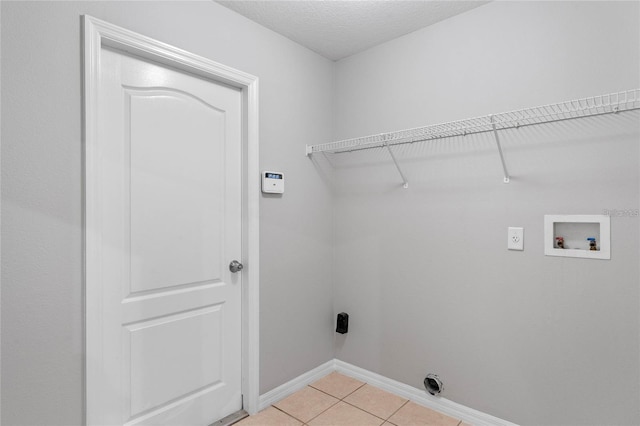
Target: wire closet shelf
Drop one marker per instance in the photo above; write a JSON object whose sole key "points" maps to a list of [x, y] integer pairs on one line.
{"points": [[611, 103], [585, 107]]}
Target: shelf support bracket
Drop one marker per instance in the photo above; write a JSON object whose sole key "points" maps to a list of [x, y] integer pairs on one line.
{"points": [[405, 183], [504, 165]]}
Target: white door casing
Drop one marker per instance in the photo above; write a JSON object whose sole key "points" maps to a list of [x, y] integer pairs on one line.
{"points": [[160, 204]]}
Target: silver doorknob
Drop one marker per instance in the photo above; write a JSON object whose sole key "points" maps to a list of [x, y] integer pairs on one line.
{"points": [[235, 266]]}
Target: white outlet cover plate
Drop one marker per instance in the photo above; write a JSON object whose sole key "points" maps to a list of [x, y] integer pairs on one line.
{"points": [[515, 238]]}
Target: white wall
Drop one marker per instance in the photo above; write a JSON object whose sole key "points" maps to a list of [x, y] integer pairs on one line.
{"points": [[42, 289], [424, 272]]}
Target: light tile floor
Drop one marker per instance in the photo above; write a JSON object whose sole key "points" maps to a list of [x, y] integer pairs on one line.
{"points": [[338, 400]]}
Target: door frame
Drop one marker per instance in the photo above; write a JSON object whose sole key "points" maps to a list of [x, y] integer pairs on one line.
{"points": [[96, 35]]}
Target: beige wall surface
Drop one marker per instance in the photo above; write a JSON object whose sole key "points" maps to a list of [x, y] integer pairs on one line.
{"points": [[424, 272], [42, 289]]}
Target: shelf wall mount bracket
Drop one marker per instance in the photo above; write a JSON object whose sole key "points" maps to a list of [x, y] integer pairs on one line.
{"points": [[504, 164], [405, 182]]}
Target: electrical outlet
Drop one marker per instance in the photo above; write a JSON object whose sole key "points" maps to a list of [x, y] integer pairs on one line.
{"points": [[515, 238]]}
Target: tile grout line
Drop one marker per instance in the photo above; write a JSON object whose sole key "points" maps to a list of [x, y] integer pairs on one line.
{"points": [[375, 415], [362, 409], [332, 405], [384, 420], [293, 417], [365, 411], [399, 408], [339, 400], [354, 391]]}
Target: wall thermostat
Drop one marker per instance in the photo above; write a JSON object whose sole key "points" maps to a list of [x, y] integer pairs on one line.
{"points": [[272, 182]]}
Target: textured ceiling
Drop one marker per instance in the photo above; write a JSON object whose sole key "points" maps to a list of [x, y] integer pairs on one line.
{"points": [[336, 29]]}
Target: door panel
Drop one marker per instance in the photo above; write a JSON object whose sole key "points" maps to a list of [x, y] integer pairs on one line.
{"points": [[170, 149], [176, 185], [152, 383]]}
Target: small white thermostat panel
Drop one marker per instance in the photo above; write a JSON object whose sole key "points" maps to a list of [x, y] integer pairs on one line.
{"points": [[272, 182]]}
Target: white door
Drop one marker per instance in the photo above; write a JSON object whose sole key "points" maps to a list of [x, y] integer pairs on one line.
{"points": [[170, 184]]}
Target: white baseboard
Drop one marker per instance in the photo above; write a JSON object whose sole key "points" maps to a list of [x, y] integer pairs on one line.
{"points": [[295, 385], [419, 396]]}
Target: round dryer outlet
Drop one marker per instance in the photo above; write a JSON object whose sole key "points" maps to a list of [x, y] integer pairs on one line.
{"points": [[433, 384]]}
